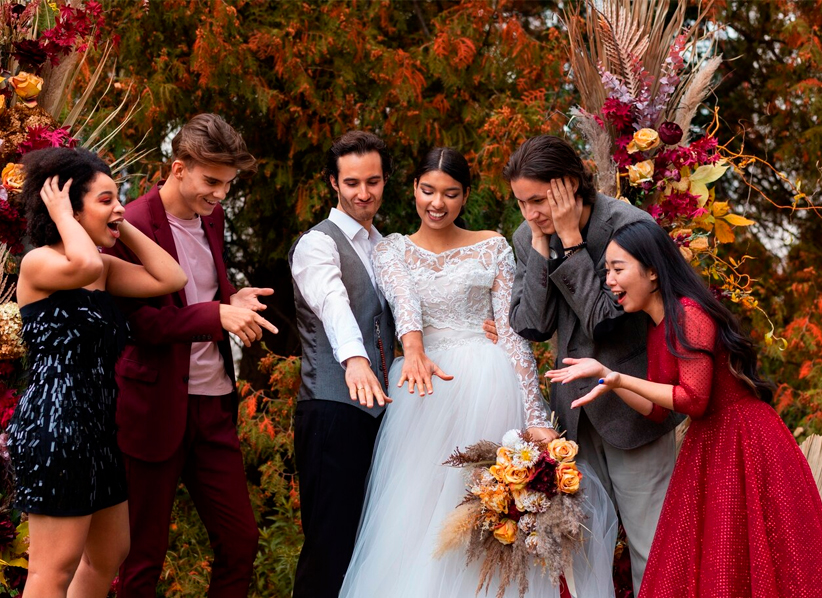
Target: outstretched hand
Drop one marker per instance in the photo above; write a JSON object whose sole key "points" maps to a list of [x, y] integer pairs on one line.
{"points": [[245, 323], [417, 370], [609, 382], [247, 298], [577, 368], [362, 383]]}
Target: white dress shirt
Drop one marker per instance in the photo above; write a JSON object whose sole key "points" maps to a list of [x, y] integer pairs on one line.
{"points": [[315, 267]]}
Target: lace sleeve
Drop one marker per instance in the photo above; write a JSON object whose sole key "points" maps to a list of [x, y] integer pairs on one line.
{"points": [[693, 390], [517, 348], [395, 282]]}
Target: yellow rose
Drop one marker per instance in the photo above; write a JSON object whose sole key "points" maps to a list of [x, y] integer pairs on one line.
{"points": [[641, 172], [13, 176], [562, 451], [506, 531], [699, 244], [2, 101], [27, 86], [568, 478], [644, 140], [517, 476]]}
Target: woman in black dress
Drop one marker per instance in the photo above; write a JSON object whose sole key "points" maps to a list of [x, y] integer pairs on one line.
{"points": [[63, 436]]}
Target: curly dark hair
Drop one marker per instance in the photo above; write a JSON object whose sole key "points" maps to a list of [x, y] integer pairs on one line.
{"points": [[77, 164]]}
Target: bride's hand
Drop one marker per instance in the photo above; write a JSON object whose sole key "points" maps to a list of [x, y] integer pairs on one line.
{"points": [[609, 382], [418, 370], [577, 368], [541, 435]]}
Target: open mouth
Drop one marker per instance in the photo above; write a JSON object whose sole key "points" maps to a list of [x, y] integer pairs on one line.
{"points": [[114, 228], [620, 296], [436, 215], [211, 203]]}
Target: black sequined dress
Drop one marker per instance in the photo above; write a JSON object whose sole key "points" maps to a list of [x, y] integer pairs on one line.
{"points": [[63, 436]]}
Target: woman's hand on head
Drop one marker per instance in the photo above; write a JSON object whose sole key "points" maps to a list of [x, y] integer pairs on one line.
{"points": [[56, 199]]}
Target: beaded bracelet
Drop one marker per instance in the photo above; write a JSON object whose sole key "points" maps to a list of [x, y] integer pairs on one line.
{"points": [[569, 251]]}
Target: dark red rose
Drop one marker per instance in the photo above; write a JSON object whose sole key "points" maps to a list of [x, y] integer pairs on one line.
{"points": [[670, 133], [544, 479]]}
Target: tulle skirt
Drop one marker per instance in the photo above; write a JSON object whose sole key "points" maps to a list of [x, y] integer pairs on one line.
{"points": [[410, 492]]}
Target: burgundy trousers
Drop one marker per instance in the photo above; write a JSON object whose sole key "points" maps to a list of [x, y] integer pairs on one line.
{"points": [[210, 464]]}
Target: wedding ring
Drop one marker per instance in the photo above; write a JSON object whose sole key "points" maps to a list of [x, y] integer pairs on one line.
{"points": [[361, 388]]}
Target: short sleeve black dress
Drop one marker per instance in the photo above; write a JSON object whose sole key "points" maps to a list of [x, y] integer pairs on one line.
{"points": [[63, 436]]}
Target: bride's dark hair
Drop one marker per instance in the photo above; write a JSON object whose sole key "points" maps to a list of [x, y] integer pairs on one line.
{"points": [[452, 163], [449, 161], [649, 244]]}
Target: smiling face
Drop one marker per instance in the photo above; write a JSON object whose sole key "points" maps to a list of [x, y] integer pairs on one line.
{"points": [[200, 187], [359, 185], [633, 285], [102, 212], [439, 199], [532, 199]]}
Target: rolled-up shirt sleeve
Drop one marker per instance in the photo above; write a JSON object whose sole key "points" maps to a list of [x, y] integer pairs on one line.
{"points": [[315, 267]]}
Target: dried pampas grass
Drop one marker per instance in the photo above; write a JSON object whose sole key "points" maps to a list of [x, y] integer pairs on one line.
{"points": [[454, 533], [812, 448], [696, 89], [600, 141]]}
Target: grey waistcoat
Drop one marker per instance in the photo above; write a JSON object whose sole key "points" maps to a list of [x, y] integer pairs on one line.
{"points": [[323, 377]]}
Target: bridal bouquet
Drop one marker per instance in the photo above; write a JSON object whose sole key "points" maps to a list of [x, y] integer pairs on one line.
{"points": [[522, 508]]}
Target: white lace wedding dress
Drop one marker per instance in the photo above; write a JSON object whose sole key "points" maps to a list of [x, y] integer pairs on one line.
{"points": [[495, 388]]}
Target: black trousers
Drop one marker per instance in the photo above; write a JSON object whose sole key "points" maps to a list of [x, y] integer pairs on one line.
{"points": [[333, 444]]}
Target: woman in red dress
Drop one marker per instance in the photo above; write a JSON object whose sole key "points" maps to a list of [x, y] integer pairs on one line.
{"points": [[742, 516]]}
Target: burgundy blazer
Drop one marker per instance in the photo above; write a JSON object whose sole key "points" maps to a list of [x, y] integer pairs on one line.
{"points": [[152, 372]]}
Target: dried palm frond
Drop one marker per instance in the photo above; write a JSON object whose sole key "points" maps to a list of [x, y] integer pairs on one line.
{"points": [[812, 448], [681, 431], [456, 529]]}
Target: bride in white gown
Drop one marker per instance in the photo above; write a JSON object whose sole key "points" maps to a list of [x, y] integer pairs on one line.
{"points": [[442, 283]]}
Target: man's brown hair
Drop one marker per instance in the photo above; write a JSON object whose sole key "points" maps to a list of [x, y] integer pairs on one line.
{"points": [[208, 139]]}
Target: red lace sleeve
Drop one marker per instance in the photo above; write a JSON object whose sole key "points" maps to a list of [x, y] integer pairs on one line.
{"points": [[696, 369]]}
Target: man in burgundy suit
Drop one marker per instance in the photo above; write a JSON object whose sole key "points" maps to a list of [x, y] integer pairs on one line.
{"points": [[177, 407]]}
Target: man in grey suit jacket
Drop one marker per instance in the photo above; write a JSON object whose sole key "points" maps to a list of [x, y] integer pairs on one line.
{"points": [[560, 289]]}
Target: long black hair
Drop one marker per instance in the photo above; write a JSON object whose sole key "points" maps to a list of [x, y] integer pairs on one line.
{"points": [[77, 164], [649, 244], [452, 163]]}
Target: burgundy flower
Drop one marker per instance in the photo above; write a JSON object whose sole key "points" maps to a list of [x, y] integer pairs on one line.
{"points": [[8, 531], [618, 113], [545, 479], [29, 54], [670, 133]]}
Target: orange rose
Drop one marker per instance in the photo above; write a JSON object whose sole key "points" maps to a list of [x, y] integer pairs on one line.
{"points": [[504, 456], [13, 176], [563, 451], [699, 244], [2, 101], [516, 476], [495, 498], [644, 140], [568, 478], [27, 86], [497, 472], [641, 172], [506, 531]]}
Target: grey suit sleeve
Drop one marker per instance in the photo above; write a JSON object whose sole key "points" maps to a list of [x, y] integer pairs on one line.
{"points": [[534, 297]]}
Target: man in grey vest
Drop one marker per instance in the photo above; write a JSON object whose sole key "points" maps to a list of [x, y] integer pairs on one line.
{"points": [[347, 336], [560, 288]]}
